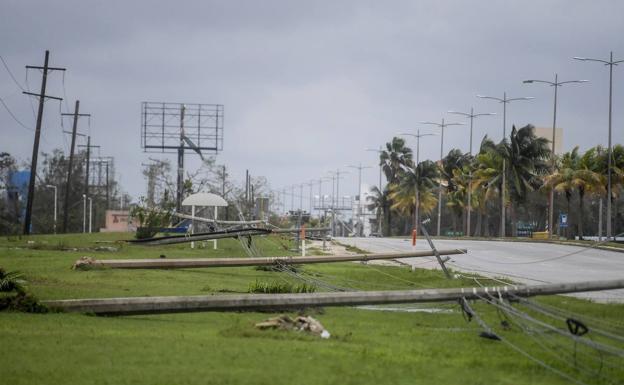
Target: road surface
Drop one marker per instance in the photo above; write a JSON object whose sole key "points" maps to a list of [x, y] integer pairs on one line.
{"points": [[523, 262]]}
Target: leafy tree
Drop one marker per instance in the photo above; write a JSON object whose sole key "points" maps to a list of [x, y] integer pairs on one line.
{"points": [[413, 194], [378, 201], [455, 194], [394, 158], [526, 163], [10, 207], [487, 178]]}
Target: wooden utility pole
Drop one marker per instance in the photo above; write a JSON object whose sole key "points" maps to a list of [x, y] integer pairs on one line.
{"points": [[172, 263], [88, 147], [107, 189], [180, 192], [33, 162], [238, 302], [74, 132]]}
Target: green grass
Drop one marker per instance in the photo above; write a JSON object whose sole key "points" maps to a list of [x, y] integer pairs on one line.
{"points": [[366, 347]]}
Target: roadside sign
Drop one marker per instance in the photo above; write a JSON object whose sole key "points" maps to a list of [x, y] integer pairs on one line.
{"points": [[563, 220]]}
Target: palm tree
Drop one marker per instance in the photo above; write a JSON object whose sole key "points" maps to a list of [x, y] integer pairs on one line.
{"points": [[453, 163], [394, 158], [595, 159], [600, 165], [457, 196], [378, 202], [526, 158], [414, 191], [487, 178], [574, 174]]}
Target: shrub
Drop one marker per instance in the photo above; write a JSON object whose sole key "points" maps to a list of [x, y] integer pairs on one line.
{"points": [[19, 301], [151, 219], [280, 287], [11, 281]]}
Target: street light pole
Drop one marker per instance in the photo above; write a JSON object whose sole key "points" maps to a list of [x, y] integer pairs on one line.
{"points": [[418, 135], [380, 167], [55, 190], [505, 100], [470, 115], [359, 214], [416, 191], [551, 200], [610, 63], [84, 213], [441, 126], [90, 213]]}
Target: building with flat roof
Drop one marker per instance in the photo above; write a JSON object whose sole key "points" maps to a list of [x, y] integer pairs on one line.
{"points": [[546, 132]]}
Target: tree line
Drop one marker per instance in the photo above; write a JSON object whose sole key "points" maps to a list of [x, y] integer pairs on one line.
{"points": [[517, 173], [53, 172]]}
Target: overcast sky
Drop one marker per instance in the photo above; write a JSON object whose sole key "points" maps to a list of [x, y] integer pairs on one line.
{"points": [[307, 85]]}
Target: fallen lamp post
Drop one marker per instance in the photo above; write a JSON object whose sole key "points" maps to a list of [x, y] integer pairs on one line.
{"points": [[247, 302]]}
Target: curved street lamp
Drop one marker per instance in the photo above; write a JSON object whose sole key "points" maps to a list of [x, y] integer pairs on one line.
{"points": [[470, 115], [418, 135], [551, 199], [379, 151], [441, 126], [505, 100], [609, 63]]}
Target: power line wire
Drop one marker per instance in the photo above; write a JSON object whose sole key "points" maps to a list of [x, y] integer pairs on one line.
{"points": [[535, 359], [13, 115], [11, 74]]}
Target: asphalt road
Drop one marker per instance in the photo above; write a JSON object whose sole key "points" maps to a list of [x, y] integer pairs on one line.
{"points": [[523, 262]]}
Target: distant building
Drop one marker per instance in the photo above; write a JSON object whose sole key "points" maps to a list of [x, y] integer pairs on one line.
{"points": [[118, 221], [17, 191], [546, 132], [367, 216]]}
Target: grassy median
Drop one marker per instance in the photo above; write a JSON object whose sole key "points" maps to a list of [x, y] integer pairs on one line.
{"points": [[366, 346]]}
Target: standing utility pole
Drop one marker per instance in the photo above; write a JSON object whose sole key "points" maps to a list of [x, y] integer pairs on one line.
{"points": [[33, 162], [88, 147], [505, 100], [180, 192], [107, 189], [359, 213], [470, 115], [311, 184], [73, 133], [441, 126], [610, 63], [551, 199]]}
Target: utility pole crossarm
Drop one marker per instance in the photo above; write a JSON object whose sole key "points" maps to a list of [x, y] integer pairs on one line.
{"points": [[38, 95], [71, 133], [46, 68]]}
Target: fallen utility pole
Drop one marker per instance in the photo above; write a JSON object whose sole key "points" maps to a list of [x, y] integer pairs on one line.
{"points": [[208, 220], [174, 239], [179, 304], [228, 233], [185, 263]]}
